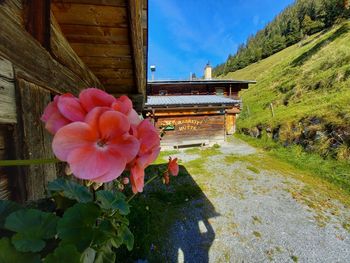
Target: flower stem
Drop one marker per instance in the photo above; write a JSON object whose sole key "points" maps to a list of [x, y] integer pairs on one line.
{"points": [[150, 180], [27, 162]]}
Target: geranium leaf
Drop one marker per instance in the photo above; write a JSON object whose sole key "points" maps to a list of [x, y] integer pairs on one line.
{"points": [[112, 201], [32, 227], [126, 236], [8, 254], [64, 253], [28, 242], [88, 256], [71, 190], [77, 225], [6, 208], [105, 255]]}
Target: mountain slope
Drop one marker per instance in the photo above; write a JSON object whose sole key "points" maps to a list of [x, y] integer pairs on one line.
{"points": [[308, 86]]}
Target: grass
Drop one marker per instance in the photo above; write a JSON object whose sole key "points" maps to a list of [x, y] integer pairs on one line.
{"points": [[305, 80], [294, 159]]}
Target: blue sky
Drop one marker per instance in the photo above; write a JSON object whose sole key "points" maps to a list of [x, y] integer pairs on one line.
{"points": [[185, 34]]}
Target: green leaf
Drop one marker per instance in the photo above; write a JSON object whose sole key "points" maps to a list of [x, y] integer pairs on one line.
{"points": [[8, 254], [6, 208], [32, 227], [77, 225], [105, 255], [126, 236], [88, 256], [113, 201], [71, 190], [104, 232], [64, 253]]}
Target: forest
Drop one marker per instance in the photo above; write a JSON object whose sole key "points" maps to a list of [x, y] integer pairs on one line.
{"points": [[296, 22]]}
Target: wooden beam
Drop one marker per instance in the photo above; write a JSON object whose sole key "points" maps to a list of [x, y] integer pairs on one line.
{"points": [[107, 62], [93, 15], [7, 93], [101, 50], [32, 62], [120, 3], [35, 140], [63, 52], [136, 32], [37, 20]]}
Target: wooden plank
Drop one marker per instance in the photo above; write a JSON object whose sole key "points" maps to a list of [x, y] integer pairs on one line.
{"points": [[121, 3], [101, 50], [64, 53], [7, 93], [15, 9], [4, 180], [135, 15], [36, 141], [37, 20], [96, 34], [94, 15], [33, 62], [104, 62], [107, 73], [120, 82]]}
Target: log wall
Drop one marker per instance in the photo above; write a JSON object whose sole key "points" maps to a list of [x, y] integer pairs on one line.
{"points": [[30, 75]]}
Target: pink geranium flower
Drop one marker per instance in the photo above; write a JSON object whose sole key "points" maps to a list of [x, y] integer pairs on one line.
{"points": [[92, 97], [148, 153], [99, 148], [63, 110], [67, 108], [173, 167], [124, 105]]}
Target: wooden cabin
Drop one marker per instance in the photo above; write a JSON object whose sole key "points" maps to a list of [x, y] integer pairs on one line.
{"points": [[197, 112], [54, 47]]}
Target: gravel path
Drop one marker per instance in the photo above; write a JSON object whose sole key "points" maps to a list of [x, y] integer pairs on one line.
{"points": [[257, 215]]}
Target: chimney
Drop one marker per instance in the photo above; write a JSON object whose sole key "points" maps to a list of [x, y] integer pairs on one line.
{"points": [[207, 71]]}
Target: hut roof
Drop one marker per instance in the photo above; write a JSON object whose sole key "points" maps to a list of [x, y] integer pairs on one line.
{"points": [[190, 100]]}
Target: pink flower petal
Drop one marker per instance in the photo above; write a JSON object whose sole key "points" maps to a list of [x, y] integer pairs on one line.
{"points": [[50, 109], [137, 177], [92, 97], [72, 136], [126, 145], [173, 167], [148, 141], [133, 117], [123, 104], [117, 167], [89, 163], [113, 124], [148, 158], [71, 108], [93, 117], [56, 122], [146, 126]]}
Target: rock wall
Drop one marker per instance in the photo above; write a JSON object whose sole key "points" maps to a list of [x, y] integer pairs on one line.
{"points": [[313, 134]]}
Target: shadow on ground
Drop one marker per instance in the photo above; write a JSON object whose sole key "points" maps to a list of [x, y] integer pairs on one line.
{"points": [[158, 209]]}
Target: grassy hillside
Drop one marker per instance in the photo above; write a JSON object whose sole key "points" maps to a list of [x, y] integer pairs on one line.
{"points": [[308, 80]]}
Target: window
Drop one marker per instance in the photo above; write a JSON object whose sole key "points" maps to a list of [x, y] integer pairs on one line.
{"points": [[219, 91]]}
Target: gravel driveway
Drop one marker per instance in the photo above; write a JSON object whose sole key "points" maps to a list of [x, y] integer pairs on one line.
{"points": [[251, 213]]}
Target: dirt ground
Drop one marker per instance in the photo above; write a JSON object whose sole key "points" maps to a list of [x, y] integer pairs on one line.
{"points": [[255, 209]]}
